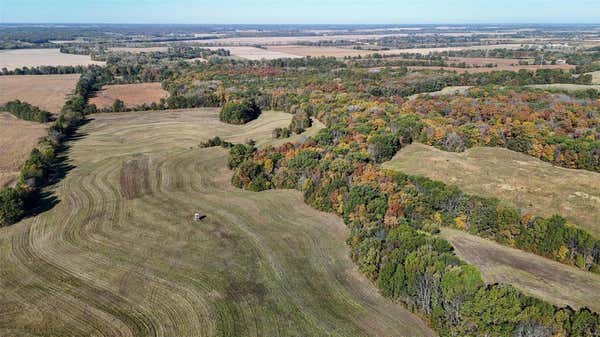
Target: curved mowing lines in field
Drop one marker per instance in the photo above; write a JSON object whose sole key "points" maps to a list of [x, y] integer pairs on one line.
{"points": [[66, 272], [58, 293], [234, 316], [141, 273], [260, 264], [319, 257]]}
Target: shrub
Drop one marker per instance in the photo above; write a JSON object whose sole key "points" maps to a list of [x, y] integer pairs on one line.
{"points": [[12, 205], [300, 122], [239, 112], [27, 111]]}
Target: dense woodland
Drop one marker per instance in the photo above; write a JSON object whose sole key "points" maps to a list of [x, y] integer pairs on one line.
{"points": [[557, 128]]}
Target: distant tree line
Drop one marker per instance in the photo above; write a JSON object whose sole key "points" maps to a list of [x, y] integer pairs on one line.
{"points": [[44, 70]]}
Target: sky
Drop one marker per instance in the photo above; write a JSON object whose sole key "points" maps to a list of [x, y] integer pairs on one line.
{"points": [[300, 11]]}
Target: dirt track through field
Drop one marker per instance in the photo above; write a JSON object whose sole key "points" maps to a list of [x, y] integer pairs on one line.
{"points": [[259, 264]]}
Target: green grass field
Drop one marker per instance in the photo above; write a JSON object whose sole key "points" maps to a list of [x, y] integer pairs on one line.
{"points": [[520, 180], [120, 254]]}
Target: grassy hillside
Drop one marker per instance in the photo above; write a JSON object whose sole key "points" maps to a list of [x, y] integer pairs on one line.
{"points": [[526, 182], [120, 255], [595, 77], [552, 281], [566, 87]]}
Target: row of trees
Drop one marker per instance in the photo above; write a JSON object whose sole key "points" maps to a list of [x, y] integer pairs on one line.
{"points": [[38, 170], [44, 70], [26, 111]]}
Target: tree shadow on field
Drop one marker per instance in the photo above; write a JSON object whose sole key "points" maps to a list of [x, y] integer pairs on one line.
{"points": [[46, 198], [46, 201]]}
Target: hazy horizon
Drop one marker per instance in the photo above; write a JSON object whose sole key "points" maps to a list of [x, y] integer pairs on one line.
{"points": [[312, 12]]}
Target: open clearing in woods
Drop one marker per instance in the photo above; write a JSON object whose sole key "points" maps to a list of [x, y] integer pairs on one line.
{"points": [[131, 94], [537, 276], [447, 91], [120, 254], [19, 58], [17, 139], [565, 86], [498, 68], [518, 179], [49, 92], [253, 53], [595, 77]]}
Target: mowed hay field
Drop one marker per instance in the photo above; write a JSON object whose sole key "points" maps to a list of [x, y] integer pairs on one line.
{"points": [[253, 53], [137, 50], [17, 139], [48, 92], [120, 255], [518, 179], [131, 94], [565, 86], [19, 58], [537, 276]]}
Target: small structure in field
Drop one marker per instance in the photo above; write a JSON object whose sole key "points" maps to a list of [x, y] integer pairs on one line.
{"points": [[198, 216]]}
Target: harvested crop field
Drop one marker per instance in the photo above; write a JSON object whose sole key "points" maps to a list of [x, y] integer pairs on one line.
{"points": [[281, 40], [17, 139], [483, 61], [528, 183], [48, 92], [253, 53], [19, 58], [137, 50], [315, 51], [131, 94], [552, 281], [258, 264]]}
